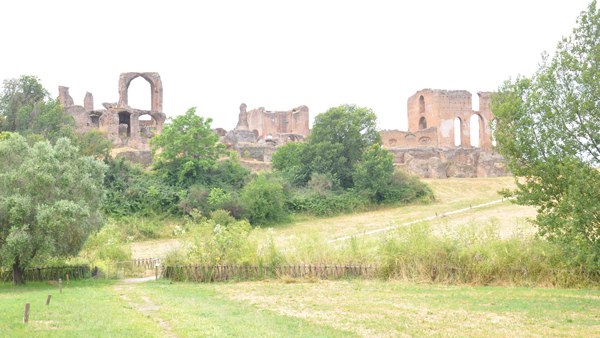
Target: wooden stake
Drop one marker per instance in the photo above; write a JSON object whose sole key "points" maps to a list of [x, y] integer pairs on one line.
{"points": [[48, 300], [26, 315], [67, 279], [60, 285]]}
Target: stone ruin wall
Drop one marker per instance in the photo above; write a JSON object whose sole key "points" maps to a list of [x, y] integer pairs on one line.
{"points": [[119, 122], [420, 138], [259, 132], [428, 149], [436, 107]]}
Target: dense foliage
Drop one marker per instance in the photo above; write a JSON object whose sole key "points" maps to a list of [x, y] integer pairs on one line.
{"points": [[343, 167], [548, 130], [188, 148], [50, 200]]}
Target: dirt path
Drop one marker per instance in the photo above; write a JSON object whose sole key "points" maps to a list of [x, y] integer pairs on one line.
{"points": [[129, 291]]}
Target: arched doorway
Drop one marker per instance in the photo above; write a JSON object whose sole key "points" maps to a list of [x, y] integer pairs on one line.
{"points": [[124, 124], [477, 130], [422, 123], [457, 131]]}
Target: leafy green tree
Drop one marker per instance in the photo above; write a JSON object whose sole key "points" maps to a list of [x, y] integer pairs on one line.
{"points": [[374, 172], [335, 145], [351, 127], [548, 129], [26, 107], [91, 143], [189, 147], [50, 200], [25, 91]]}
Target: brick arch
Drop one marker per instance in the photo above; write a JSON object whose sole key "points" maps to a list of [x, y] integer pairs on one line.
{"points": [[156, 88], [422, 123]]}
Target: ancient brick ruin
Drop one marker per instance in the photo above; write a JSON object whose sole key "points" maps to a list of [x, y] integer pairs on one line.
{"points": [[119, 122], [429, 149], [259, 132]]}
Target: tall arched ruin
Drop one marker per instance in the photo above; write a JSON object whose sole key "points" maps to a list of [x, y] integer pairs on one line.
{"points": [[439, 108], [119, 122], [429, 149]]}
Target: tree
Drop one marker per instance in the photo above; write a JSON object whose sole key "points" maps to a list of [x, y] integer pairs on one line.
{"points": [[26, 107], [548, 129], [335, 145], [189, 147], [374, 172], [50, 200], [352, 127]]}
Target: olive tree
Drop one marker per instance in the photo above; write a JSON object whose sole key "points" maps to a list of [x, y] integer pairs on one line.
{"points": [[50, 200], [547, 127]]}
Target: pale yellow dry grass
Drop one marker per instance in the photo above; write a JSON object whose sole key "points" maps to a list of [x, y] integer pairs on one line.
{"points": [[451, 194], [154, 248]]}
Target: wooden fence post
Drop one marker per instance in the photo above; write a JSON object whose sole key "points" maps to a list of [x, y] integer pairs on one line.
{"points": [[48, 300], [26, 315], [60, 285]]}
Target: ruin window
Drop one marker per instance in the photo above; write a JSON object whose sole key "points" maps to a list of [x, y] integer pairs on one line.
{"points": [[457, 131], [125, 121], [421, 105], [477, 127], [422, 123], [269, 136], [140, 94]]}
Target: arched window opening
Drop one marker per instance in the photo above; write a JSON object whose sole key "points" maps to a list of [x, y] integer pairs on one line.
{"points": [[140, 94], [269, 136], [475, 124], [421, 105], [475, 102], [422, 123], [124, 125], [457, 131]]}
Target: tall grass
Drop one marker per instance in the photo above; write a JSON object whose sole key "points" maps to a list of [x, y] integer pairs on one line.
{"points": [[470, 253]]}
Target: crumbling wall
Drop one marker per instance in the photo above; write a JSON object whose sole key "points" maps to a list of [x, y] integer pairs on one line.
{"points": [[431, 162], [119, 122], [439, 108], [295, 121], [396, 138]]}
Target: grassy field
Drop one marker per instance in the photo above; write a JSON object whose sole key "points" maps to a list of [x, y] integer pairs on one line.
{"points": [[451, 194], [353, 308]]}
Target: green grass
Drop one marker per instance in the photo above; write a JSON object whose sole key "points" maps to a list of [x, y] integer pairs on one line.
{"points": [[382, 309], [347, 308], [84, 309]]}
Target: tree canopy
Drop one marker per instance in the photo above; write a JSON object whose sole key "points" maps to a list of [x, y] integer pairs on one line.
{"points": [[188, 147], [335, 145], [26, 107], [50, 200], [547, 127]]}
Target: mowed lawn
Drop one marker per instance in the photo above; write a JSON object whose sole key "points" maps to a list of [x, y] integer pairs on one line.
{"points": [[353, 308]]}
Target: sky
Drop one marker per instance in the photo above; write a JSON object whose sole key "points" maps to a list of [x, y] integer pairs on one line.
{"points": [[215, 55]]}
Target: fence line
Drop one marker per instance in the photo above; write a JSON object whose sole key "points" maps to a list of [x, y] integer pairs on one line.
{"points": [[221, 273], [142, 267], [47, 273]]}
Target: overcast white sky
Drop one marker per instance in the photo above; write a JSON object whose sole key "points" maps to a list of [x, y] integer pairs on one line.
{"points": [[279, 54]]}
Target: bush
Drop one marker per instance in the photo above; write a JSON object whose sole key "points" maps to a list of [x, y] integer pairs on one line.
{"points": [[264, 200], [327, 204], [108, 245]]}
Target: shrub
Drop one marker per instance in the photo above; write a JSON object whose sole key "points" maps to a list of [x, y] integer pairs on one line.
{"points": [[264, 200]]}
